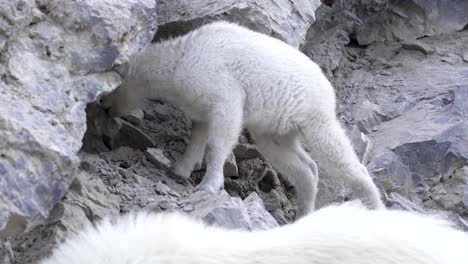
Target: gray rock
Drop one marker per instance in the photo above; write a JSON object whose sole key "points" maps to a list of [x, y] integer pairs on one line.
{"points": [[327, 48], [400, 202], [162, 188], [167, 205], [272, 200], [220, 209], [156, 156], [230, 212], [274, 189], [408, 20], [6, 252], [129, 135], [230, 167], [465, 56], [286, 20], [415, 118], [417, 153], [135, 117], [361, 143], [417, 45], [188, 208], [246, 151], [450, 58], [87, 201], [261, 219], [56, 57], [373, 21], [412, 107], [451, 193], [397, 201], [326, 38], [368, 115]]}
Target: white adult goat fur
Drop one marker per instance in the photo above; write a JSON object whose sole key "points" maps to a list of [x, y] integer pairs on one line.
{"points": [[225, 77], [332, 235]]}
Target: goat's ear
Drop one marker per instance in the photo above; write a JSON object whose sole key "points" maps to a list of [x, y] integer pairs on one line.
{"points": [[122, 69]]}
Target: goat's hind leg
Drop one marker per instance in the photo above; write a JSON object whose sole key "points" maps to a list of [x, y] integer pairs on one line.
{"points": [[287, 156], [332, 149]]}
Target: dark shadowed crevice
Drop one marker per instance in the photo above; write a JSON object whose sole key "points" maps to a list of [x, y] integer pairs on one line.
{"points": [[328, 2]]}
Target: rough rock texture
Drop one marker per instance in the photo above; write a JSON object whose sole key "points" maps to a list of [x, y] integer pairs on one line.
{"points": [[245, 171], [363, 22], [108, 186], [411, 19], [55, 58], [409, 98], [121, 181], [230, 212], [404, 103], [286, 20], [419, 150], [86, 201]]}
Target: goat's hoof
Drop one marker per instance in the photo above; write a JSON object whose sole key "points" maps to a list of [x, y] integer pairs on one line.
{"points": [[209, 188]]}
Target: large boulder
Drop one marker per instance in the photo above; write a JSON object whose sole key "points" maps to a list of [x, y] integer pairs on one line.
{"points": [[286, 20], [56, 56]]}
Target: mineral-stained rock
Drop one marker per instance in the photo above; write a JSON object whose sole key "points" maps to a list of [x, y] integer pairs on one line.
{"points": [[55, 58], [286, 20]]}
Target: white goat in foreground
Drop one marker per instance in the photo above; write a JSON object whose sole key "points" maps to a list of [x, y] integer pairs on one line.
{"points": [[225, 77], [343, 234]]}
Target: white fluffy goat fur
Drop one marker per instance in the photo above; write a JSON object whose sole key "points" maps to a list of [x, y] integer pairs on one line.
{"points": [[333, 235], [225, 77]]}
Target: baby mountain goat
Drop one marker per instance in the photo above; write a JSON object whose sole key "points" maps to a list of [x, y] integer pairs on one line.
{"points": [[225, 77], [343, 234]]}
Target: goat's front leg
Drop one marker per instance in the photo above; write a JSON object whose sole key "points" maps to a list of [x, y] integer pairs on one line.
{"points": [[193, 155]]}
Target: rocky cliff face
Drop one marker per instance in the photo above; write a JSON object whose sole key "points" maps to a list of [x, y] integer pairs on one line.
{"points": [[400, 69], [404, 95], [56, 56]]}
